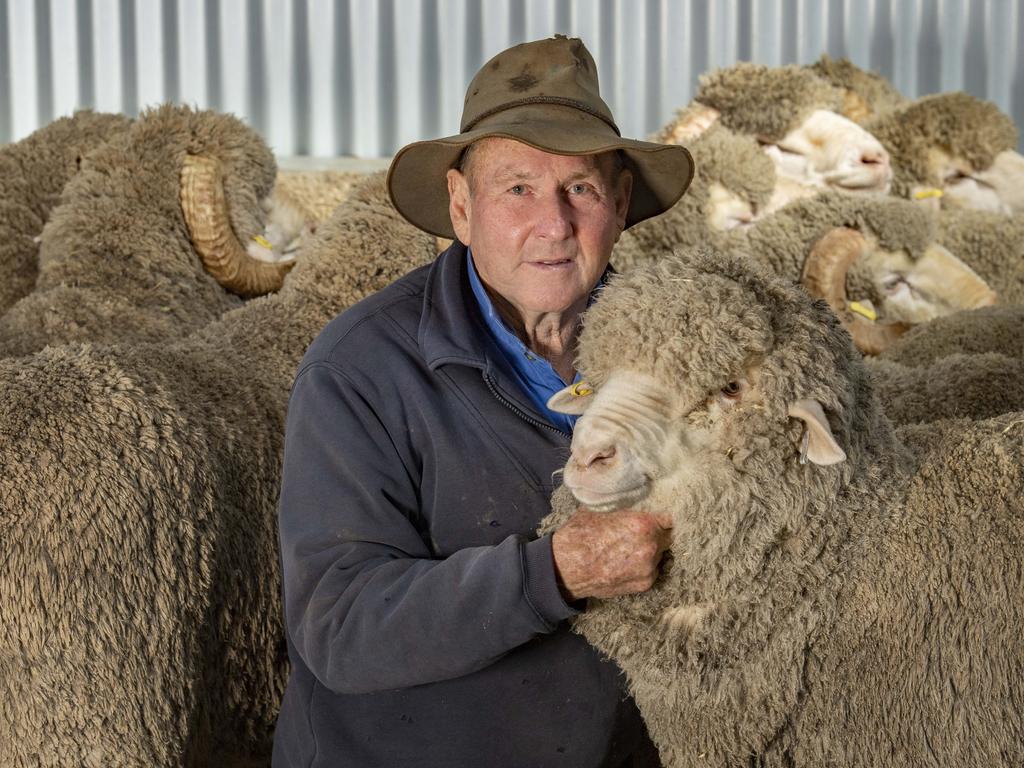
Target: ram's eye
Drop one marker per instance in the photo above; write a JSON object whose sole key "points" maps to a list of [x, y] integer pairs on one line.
{"points": [[731, 390]]}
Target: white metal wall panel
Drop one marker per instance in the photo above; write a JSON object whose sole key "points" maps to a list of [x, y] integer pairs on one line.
{"points": [[364, 77]]}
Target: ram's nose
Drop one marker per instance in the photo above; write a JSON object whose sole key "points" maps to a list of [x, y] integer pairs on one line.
{"points": [[877, 158], [594, 458]]}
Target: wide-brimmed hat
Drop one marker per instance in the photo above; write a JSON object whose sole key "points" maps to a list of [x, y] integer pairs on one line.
{"points": [[544, 94]]}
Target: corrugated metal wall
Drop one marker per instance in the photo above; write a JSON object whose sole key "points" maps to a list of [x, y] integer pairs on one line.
{"points": [[363, 77]]}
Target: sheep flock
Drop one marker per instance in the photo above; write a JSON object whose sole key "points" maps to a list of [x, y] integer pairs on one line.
{"points": [[820, 347]]}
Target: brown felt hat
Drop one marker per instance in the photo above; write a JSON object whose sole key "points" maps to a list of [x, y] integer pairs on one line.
{"points": [[544, 94]]}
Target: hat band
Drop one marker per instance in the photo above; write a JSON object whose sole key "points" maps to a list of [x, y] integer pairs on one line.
{"points": [[559, 100]]}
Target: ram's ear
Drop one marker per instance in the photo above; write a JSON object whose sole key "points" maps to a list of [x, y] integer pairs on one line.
{"points": [[818, 443], [573, 399]]}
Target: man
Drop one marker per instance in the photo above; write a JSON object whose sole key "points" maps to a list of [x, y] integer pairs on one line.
{"points": [[426, 623]]}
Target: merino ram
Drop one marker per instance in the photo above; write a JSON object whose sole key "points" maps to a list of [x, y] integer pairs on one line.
{"points": [[138, 582], [116, 259], [839, 592]]}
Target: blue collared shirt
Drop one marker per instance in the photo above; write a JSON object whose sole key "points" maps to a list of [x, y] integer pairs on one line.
{"points": [[534, 374]]}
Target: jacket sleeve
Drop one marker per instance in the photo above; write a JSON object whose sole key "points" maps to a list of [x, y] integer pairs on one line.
{"points": [[366, 606]]}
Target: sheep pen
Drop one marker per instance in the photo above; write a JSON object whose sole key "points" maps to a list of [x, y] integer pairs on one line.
{"points": [[839, 592]]}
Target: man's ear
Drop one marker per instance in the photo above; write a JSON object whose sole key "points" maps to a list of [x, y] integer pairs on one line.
{"points": [[459, 204], [573, 399], [623, 191], [818, 443]]}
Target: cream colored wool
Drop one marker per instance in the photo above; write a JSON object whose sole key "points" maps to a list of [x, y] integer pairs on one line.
{"points": [[732, 160], [958, 123], [767, 102], [33, 173], [139, 585], [115, 263], [315, 194], [861, 614]]}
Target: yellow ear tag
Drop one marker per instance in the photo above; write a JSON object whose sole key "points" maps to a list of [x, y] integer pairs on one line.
{"points": [[925, 194], [860, 309], [581, 389], [262, 241]]}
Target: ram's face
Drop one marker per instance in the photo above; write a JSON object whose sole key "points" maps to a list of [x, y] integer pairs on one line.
{"points": [[998, 188], [828, 150], [639, 438]]}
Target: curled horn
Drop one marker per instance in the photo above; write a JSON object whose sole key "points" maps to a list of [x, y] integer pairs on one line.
{"points": [[825, 277], [206, 215]]}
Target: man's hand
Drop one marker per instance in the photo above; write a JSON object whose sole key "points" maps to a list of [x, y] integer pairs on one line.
{"points": [[608, 554]]}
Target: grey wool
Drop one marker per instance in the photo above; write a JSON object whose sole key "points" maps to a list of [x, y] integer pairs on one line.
{"points": [[33, 173], [140, 582], [115, 261], [955, 122], [867, 93], [862, 613], [992, 244], [734, 161], [998, 329], [767, 102]]}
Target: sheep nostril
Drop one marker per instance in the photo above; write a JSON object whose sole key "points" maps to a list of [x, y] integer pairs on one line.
{"points": [[598, 458], [875, 157]]}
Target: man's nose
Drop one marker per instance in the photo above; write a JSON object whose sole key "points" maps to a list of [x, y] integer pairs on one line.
{"points": [[555, 218]]}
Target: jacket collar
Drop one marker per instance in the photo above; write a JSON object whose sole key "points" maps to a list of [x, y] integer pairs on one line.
{"points": [[451, 329]]}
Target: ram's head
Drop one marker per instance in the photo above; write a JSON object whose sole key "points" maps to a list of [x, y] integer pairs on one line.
{"points": [[708, 380]]}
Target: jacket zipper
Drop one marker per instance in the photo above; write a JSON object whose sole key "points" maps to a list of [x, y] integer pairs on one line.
{"points": [[519, 411]]}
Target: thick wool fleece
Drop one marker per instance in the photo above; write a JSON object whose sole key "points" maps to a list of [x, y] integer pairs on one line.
{"points": [[783, 240], [872, 90], [767, 102], [998, 329], [958, 123], [861, 614], [736, 162], [973, 386], [116, 262], [33, 172], [140, 588], [992, 244]]}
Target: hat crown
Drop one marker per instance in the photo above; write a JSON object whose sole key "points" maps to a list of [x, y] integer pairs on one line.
{"points": [[559, 70]]}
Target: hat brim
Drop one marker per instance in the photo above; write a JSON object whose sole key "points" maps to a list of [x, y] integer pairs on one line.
{"points": [[418, 185]]}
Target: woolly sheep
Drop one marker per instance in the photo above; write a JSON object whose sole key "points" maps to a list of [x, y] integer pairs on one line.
{"points": [[960, 145], [732, 183], [795, 114], [33, 172], [898, 268], [139, 584], [115, 261], [859, 606]]}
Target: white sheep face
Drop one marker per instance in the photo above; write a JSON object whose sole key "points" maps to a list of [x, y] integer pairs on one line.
{"points": [[726, 210], [916, 291], [641, 445], [998, 188], [828, 150]]}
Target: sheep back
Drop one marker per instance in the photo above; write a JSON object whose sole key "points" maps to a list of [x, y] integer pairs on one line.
{"points": [[116, 260], [33, 173]]}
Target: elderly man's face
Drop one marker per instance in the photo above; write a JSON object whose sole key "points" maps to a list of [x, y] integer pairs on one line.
{"points": [[541, 226]]}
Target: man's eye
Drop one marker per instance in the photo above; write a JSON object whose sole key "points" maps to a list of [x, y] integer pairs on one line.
{"points": [[578, 189], [517, 189]]}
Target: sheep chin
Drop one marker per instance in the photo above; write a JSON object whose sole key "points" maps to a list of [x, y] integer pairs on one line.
{"points": [[597, 501]]}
